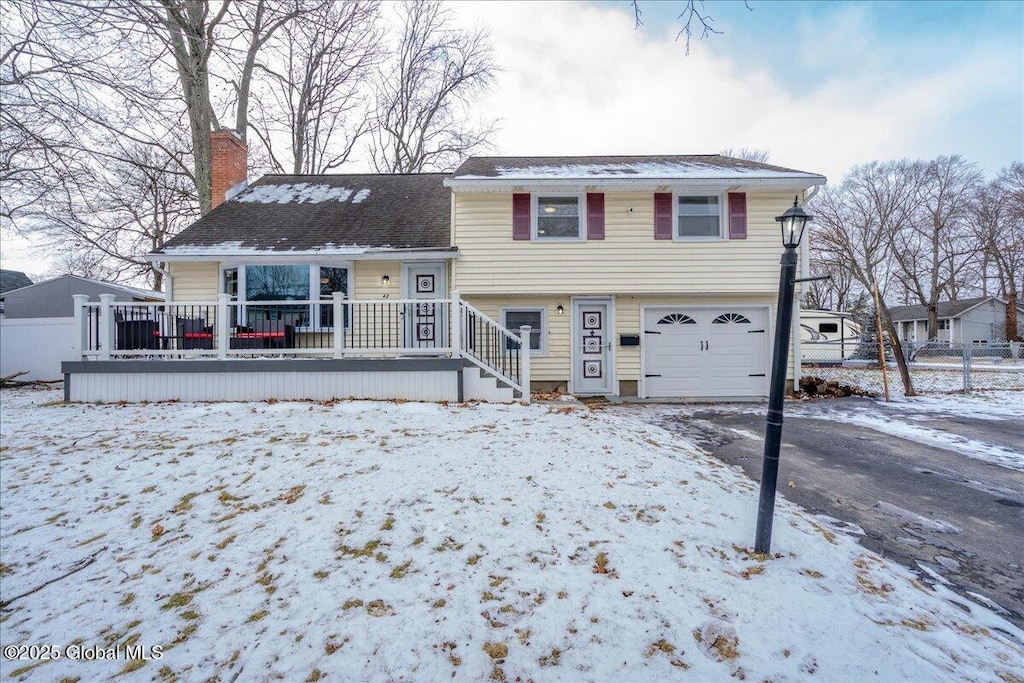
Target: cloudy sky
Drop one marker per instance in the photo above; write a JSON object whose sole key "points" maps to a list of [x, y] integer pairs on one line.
{"points": [[822, 86]]}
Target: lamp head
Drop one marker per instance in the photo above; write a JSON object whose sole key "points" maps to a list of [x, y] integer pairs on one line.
{"points": [[793, 223]]}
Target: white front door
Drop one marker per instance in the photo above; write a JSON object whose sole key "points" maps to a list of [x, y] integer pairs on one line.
{"points": [[426, 323], [592, 357]]}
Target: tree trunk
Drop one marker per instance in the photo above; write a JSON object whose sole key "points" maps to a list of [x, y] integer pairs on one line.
{"points": [[1012, 333], [897, 350]]}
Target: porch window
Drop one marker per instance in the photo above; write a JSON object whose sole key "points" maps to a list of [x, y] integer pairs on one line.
{"points": [[558, 217], [699, 216], [514, 318], [277, 283], [256, 286], [332, 280]]}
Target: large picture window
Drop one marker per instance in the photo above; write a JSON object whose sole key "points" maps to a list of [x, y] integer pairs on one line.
{"points": [[558, 217], [698, 216], [257, 286]]}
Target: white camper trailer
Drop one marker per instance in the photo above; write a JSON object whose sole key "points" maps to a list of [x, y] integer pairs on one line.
{"points": [[828, 336]]}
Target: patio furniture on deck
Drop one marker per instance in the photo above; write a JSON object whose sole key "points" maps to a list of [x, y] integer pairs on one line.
{"points": [[134, 335], [264, 334], [193, 333]]}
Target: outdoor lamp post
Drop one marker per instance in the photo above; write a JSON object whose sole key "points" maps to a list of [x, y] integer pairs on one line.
{"points": [[792, 223]]}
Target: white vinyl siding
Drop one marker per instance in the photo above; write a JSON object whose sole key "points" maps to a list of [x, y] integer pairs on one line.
{"points": [[195, 281]]}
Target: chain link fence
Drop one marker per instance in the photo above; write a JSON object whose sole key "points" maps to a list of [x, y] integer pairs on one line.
{"points": [[935, 366]]}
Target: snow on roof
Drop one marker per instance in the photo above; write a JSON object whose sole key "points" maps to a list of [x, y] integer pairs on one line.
{"points": [[297, 193], [236, 248], [640, 170]]}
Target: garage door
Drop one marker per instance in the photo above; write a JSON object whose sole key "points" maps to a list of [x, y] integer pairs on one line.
{"points": [[705, 352]]}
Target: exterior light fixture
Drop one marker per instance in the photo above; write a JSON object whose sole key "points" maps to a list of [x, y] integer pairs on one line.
{"points": [[560, 309], [385, 281], [793, 222]]}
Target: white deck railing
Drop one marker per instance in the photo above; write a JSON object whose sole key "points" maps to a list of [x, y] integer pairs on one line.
{"points": [[226, 329]]}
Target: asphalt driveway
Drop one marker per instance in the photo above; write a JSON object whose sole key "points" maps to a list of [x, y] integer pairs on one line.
{"points": [[938, 489]]}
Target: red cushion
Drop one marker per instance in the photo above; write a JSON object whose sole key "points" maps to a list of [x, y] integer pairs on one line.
{"points": [[198, 335]]}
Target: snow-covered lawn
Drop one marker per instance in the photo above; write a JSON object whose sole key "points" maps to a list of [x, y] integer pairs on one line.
{"points": [[381, 541], [927, 380]]}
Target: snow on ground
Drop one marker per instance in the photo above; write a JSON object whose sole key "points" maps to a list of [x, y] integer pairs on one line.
{"points": [[372, 540], [926, 380], [901, 417]]}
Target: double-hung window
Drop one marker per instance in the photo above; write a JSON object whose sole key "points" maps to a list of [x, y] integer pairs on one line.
{"points": [[558, 217], [514, 318], [699, 217], [265, 290]]}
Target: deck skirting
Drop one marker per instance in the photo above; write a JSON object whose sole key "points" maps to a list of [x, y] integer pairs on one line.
{"points": [[412, 379]]}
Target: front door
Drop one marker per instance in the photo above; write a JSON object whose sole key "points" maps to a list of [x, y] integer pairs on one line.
{"points": [[592, 361], [426, 323]]}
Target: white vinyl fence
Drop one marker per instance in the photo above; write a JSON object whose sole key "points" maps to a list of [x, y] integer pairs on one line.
{"points": [[37, 345]]}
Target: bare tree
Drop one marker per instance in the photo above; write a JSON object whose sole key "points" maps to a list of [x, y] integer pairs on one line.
{"points": [[423, 96], [998, 222], [748, 154], [316, 71], [106, 221], [934, 247], [692, 17], [855, 221]]}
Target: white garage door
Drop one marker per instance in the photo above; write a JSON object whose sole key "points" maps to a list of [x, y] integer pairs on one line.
{"points": [[705, 352]]}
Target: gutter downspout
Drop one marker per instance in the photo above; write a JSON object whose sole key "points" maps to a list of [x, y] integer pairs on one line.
{"points": [[805, 272], [158, 266]]}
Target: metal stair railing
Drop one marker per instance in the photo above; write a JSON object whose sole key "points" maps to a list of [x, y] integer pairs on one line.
{"points": [[493, 348]]}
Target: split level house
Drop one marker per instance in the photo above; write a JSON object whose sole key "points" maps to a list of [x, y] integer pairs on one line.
{"points": [[649, 276]]}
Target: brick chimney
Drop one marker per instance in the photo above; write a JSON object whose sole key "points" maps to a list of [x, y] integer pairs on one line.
{"points": [[229, 158]]}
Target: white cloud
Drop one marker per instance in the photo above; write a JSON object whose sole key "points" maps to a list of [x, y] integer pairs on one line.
{"points": [[578, 79]]}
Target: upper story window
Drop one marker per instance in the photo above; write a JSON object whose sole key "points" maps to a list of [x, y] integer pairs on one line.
{"points": [[699, 216], [557, 217]]}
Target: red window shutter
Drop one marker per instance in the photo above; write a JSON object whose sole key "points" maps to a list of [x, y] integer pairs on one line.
{"points": [[662, 215], [595, 215], [737, 216], [521, 216]]}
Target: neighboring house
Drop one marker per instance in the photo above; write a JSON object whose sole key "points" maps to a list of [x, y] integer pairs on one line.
{"points": [[654, 276], [11, 279], [980, 320], [53, 298], [38, 328]]}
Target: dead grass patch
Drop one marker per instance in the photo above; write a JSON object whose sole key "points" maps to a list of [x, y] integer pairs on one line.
{"points": [[379, 608], [292, 494], [496, 651], [401, 570]]}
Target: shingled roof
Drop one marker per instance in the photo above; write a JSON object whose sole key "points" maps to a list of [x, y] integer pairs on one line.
{"points": [[688, 166], [13, 279], [946, 309], [321, 213]]}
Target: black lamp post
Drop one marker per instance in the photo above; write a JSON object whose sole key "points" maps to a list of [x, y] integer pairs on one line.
{"points": [[793, 223]]}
